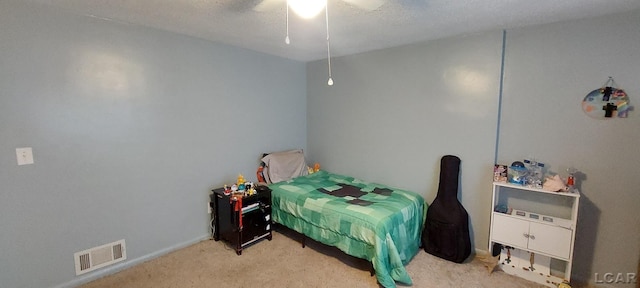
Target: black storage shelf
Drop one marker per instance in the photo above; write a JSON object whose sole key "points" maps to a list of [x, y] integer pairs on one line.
{"points": [[255, 217]]}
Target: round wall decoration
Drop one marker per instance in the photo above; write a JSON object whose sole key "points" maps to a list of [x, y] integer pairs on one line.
{"points": [[607, 102]]}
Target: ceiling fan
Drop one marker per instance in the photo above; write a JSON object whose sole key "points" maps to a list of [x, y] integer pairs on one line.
{"points": [[309, 9], [368, 5]]}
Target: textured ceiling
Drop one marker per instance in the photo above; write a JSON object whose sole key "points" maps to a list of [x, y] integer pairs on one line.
{"points": [[352, 29]]}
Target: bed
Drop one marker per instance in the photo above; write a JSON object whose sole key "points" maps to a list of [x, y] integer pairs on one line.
{"points": [[370, 221]]}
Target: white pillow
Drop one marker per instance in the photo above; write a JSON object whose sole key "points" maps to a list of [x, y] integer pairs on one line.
{"points": [[285, 165]]}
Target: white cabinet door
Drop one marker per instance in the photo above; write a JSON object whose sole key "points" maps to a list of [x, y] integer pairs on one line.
{"points": [[510, 231], [549, 239]]}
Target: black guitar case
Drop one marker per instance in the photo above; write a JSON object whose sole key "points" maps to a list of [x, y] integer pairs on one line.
{"points": [[446, 232]]}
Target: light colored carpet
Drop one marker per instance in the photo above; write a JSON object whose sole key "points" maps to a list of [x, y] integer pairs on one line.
{"points": [[283, 262]]}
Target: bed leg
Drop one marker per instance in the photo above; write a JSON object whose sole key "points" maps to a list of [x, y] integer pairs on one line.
{"points": [[304, 240], [372, 270]]}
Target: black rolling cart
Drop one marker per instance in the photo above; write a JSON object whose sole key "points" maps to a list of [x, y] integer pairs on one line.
{"points": [[242, 220]]}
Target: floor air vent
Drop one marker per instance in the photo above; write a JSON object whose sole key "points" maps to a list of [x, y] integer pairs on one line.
{"points": [[98, 257]]}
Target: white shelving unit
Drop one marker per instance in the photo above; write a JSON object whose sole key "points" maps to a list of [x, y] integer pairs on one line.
{"points": [[537, 223]]}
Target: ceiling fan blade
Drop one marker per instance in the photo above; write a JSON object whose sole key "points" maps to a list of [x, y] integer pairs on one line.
{"points": [[268, 5], [368, 5]]}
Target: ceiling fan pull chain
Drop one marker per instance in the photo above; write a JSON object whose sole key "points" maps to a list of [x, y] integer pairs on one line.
{"points": [[286, 39], [326, 10]]}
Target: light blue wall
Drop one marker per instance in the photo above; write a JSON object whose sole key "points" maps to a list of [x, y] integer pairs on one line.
{"points": [[131, 128], [548, 71], [393, 113]]}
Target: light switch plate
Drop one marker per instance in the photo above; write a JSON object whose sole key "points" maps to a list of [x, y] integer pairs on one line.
{"points": [[24, 155]]}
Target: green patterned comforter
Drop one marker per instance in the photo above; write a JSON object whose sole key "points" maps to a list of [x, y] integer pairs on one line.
{"points": [[366, 220]]}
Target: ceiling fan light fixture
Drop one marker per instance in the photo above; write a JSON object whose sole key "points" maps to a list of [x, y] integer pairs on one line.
{"points": [[307, 9]]}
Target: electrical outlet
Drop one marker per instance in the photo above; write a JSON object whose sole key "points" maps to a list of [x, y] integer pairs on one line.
{"points": [[209, 207]]}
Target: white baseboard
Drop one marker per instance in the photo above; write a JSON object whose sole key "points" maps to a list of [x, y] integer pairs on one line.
{"points": [[128, 264]]}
